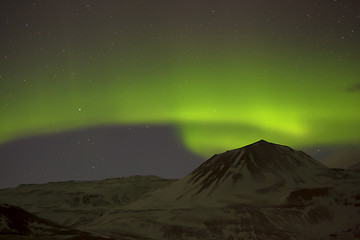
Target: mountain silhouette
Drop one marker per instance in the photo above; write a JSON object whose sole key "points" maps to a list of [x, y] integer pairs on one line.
{"points": [[256, 161], [261, 171]]}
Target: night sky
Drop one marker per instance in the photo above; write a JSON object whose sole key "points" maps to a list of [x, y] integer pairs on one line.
{"points": [[203, 76]]}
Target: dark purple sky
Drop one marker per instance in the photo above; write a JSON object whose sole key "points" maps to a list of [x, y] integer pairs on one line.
{"points": [[96, 153]]}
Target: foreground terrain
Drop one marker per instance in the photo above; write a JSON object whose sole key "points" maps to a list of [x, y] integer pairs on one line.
{"points": [[260, 191]]}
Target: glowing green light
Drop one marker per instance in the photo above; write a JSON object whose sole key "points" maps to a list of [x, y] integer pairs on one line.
{"points": [[216, 100]]}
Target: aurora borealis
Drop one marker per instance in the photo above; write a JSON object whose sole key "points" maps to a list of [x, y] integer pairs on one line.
{"points": [[222, 73]]}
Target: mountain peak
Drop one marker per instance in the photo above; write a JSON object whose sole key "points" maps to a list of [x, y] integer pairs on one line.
{"points": [[262, 142], [261, 162]]}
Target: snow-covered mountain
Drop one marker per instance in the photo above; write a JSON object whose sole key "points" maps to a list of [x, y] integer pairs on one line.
{"points": [[261, 173], [260, 191]]}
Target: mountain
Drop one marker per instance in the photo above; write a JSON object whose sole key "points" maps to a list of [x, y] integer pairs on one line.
{"points": [[261, 172], [16, 223], [76, 203], [260, 191]]}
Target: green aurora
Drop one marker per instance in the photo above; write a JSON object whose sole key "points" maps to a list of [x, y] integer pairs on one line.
{"points": [[219, 90], [216, 100]]}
